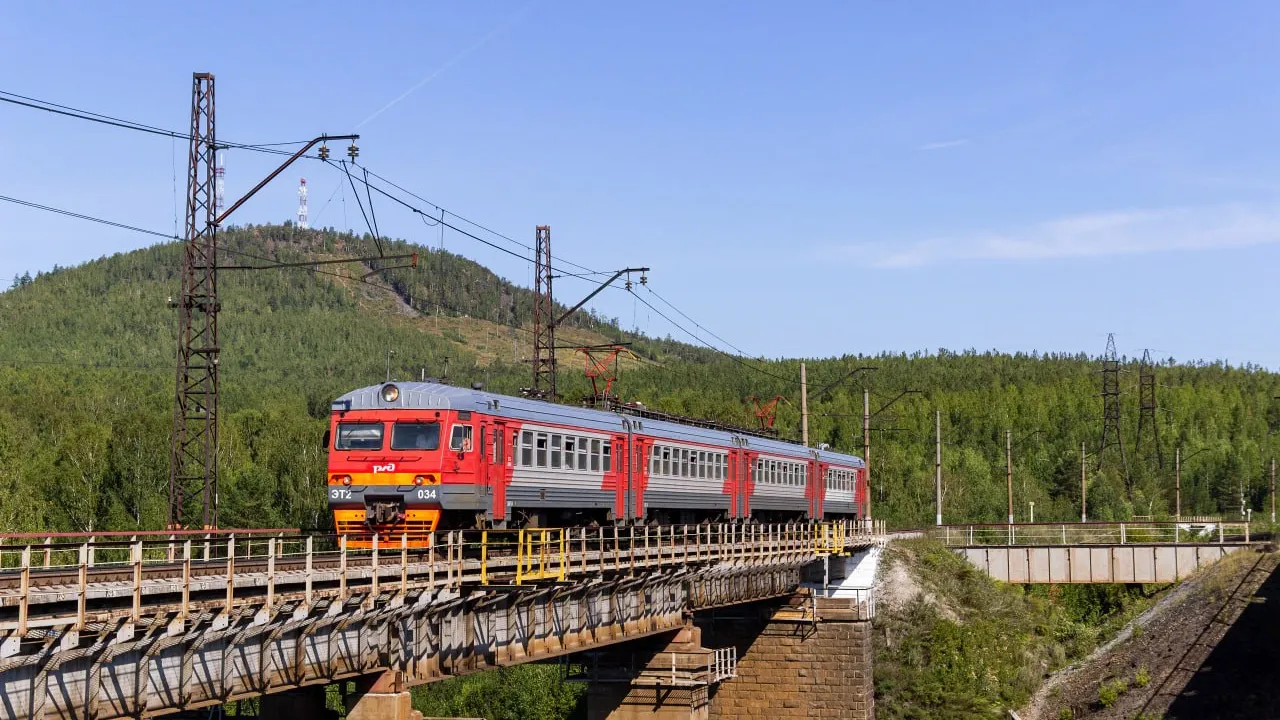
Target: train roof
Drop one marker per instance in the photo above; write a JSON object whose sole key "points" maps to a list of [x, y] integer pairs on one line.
{"points": [[438, 396]]}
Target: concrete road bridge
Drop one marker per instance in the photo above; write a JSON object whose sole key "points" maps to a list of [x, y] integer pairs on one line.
{"points": [[660, 618], [1136, 552]]}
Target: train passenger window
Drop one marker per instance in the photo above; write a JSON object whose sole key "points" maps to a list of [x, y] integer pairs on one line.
{"points": [[595, 456], [542, 450], [570, 448], [582, 453], [684, 463], [666, 461], [460, 440], [608, 461], [359, 436], [415, 436], [556, 441], [526, 448], [655, 460]]}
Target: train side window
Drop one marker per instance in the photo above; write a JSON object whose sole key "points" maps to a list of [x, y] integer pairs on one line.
{"points": [[570, 452], [606, 449], [595, 456], [460, 440], [654, 460], [556, 443], [666, 460], [526, 448], [542, 450], [499, 447], [583, 444]]}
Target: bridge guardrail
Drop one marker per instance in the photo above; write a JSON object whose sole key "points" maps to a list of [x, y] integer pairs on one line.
{"points": [[1125, 533]]}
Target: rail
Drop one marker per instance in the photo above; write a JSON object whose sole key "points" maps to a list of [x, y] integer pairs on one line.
{"points": [[39, 582], [1125, 533]]}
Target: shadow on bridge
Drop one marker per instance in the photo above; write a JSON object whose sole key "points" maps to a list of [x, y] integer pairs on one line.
{"points": [[1239, 676]]}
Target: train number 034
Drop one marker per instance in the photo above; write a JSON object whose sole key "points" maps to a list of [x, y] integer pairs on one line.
{"points": [[427, 493]]}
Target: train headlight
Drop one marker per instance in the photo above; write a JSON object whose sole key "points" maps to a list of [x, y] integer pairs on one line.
{"points": [[346, 479], [419, 479], [390, 393]]}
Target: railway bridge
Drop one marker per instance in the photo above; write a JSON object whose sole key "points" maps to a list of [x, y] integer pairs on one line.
{"points": [[660, 619], [1095, 552]]}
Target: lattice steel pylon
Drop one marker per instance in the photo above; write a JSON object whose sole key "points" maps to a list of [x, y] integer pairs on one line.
{"points": [[1111, 434], [544, 330], [193, 471], [1147, 413]]}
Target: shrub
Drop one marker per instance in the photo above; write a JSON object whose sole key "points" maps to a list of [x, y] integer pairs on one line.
{"points": [[1110, 692], [1142, 678]]}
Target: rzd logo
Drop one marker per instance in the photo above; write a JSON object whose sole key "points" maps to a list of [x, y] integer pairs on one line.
{"points": [[389, 467]]}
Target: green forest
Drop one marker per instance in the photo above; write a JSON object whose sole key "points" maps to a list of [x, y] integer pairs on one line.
{"points": [[87, 381]]}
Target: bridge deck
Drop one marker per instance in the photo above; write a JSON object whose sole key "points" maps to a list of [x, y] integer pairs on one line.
{"points": [[157, 625]]}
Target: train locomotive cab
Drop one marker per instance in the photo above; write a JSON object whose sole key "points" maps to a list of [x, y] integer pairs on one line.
{"points": [[395, 450]]}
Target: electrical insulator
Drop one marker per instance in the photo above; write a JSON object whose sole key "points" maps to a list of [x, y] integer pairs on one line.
{"points": [[353, 152], [324, 152], [644, 279]]}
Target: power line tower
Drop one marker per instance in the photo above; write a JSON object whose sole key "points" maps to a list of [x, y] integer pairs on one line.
{"points": [[1111, 434], [544, 329], [1147, 412], [193, 470]]}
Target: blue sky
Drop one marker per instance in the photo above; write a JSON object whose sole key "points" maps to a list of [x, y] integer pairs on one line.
{"points": [[804, 180]]}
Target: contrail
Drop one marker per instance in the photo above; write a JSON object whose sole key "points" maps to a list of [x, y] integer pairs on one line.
{"points": [[455, 60]]}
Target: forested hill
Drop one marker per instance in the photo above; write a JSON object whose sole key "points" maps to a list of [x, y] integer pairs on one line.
{"points": [[86, 393]]}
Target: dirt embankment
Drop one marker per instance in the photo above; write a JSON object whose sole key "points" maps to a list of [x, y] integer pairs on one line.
{"points": [[1210, 649]]}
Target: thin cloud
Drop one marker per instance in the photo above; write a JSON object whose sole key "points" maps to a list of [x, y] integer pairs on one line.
{"points": [[453, 61], [1125, 232], [944, 144]]}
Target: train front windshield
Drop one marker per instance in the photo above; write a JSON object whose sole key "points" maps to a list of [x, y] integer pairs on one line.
{"points": [[415, 436]]}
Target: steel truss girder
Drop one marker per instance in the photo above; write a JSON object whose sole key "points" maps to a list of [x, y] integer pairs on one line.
{"points": [[162, 665]]}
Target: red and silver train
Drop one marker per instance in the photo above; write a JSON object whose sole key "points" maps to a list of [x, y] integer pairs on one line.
{"points": [[416, 457]]}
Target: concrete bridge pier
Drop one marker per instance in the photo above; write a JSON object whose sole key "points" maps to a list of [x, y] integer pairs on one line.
{"points": [[809, 658]]}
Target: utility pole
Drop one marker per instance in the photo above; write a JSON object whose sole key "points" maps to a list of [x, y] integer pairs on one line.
{"points": [[1008, 461], [194, 452], [804, 408], [1177, 483], [1111, 434], [193, 456], [1084, 491], [937, 462], [544, 329], [866, 443], [1147, 413]]}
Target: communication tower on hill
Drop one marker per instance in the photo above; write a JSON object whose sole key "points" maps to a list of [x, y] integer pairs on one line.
{"points": [[219, 185], [302, 204]]}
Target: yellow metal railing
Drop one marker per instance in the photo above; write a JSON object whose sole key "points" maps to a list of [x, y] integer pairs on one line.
{"points": [[828, 538], [542, 555]]}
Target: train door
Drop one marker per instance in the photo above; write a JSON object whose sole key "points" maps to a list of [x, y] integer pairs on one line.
{"points": [[816, 489], [745, 484], [616, 474], [637, 460], [494, 462]]}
